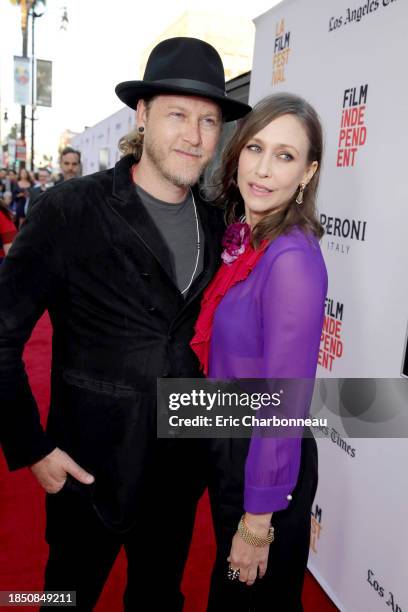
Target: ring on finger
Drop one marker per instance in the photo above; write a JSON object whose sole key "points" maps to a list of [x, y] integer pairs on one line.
{"points": [[233, 574]]}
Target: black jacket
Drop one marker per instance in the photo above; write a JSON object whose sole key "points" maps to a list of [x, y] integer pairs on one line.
{"points": [[90, 254]]}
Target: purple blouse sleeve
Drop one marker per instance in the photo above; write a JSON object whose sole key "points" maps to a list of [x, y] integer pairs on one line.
{"points": [[292, 309]]}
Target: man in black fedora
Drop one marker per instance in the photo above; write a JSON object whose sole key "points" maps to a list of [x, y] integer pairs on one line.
{"points": [[120, 259]]}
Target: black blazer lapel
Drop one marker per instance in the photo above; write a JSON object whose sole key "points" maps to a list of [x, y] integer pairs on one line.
{"points": [[127, 205]]}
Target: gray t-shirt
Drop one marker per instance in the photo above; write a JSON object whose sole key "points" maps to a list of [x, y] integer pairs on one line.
{"points": [[178, 228]]}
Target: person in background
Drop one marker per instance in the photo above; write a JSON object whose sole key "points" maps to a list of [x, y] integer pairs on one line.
{"points": [[44, 183], [10, 180], [20, 195], [12, 176], [8, 230], [3, 175], [70, 164], [261, 317], [8, 201]]}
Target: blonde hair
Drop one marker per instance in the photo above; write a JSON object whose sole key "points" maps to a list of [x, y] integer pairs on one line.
{"points": [[132, 143]]}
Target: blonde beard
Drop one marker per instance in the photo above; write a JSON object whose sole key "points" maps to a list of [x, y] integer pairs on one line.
{"points": [[177, 179]]}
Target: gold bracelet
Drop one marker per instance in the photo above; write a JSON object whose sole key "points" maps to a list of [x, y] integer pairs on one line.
{"points": [[250, 538]]}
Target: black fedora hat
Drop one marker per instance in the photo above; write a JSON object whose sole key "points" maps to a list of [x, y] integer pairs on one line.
{"points": [[185, 66]]}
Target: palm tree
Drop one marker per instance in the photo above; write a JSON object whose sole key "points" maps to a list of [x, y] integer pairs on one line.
{"points": [[26, 6]]}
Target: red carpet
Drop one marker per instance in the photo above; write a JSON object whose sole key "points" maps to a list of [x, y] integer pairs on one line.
{"points": [[22, 547]]}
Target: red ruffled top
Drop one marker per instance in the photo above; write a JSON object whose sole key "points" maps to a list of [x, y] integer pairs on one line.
{"points": [[227, 276], [7, 232]]}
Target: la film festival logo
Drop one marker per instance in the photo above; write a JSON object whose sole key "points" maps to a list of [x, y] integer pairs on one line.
{"points": [[353, 131], [331, 344], [316, 528], [280, 53]]}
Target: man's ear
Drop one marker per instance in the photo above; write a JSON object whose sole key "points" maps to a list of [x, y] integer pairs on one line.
{"points": [[141, 114]]}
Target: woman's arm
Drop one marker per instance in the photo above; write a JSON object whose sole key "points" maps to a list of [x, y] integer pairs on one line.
{"points": [[292, 312]]}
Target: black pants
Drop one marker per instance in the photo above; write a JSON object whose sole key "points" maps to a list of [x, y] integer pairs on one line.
{"points": [[82, 550], [280, 589]]}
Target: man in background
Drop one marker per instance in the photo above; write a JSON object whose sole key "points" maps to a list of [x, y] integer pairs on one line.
{"points": [[70, 164], [44, 180]]}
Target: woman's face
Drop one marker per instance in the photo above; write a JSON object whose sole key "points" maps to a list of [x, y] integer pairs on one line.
{"points": [[23, 175], [272, 165]]}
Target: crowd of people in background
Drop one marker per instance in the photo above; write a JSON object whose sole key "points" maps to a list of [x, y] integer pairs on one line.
{"points": [[19, 191]]}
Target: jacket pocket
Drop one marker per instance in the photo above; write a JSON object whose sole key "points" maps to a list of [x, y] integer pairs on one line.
{"points": [[82, 381]]}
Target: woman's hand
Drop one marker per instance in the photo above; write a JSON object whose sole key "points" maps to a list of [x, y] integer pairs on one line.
{"points": [[252, 561]]}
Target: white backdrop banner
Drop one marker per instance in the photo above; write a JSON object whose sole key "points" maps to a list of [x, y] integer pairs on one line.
{"points": [[347, 58]]}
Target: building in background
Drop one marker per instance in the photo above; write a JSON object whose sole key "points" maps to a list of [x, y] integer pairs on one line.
{"points": [[99, 144], [66, 139], [233, 37]]}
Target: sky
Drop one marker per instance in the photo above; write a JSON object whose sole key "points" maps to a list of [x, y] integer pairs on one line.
{"points": [[101, 47]]}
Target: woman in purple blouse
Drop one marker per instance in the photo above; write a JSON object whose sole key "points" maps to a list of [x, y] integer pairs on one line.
{"points": [[262, 318]]}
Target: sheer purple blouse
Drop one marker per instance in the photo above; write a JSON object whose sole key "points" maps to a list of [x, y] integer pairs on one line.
{"points": [[269, 326]]}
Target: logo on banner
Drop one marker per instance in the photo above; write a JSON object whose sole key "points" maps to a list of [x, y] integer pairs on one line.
{"points": [[353, 131], [316, 528], [343, 228], [389, 597], [280, 53], [22, 80], [44, 83], [334, 436], [356, 14], [331, 344]]}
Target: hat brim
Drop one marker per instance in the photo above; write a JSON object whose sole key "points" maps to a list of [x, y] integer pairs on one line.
{"points": [[130, 92]]}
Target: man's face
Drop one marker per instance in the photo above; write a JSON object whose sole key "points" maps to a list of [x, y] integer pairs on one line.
{"points": [[43, 177], [2, 174], [70, 165], [180, 136]]}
